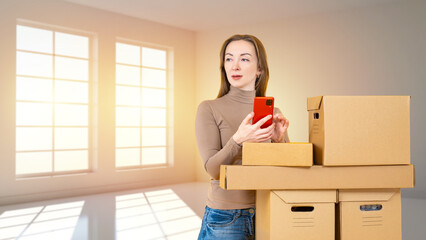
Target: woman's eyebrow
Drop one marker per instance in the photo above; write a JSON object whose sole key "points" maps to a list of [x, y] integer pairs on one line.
{"points": [[242, 54]]}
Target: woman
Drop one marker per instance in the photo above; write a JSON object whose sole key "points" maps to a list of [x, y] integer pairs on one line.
{"points": [[224, 124]]}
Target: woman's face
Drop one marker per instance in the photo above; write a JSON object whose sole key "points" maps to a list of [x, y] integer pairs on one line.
{"points": [[240, 65]]}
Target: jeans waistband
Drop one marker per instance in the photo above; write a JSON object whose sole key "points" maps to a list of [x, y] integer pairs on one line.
{"points": [[245, 211]]}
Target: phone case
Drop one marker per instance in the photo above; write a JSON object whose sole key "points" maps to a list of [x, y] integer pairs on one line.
{"points": [[262, 107]]}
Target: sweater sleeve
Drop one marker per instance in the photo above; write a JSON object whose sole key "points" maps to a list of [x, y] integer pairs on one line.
{"points": [[209, 142]]}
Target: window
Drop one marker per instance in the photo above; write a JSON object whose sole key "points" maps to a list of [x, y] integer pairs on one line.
{"points": [[53, 102], [142, 114]]}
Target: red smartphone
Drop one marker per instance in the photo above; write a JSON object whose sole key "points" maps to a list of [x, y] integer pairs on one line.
{"points": [[263, 106]]}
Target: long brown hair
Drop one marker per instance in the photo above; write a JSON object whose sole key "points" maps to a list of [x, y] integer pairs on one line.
{"points": [[262, 63]]}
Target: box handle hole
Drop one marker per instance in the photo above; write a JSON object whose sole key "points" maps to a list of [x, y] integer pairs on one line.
{"points": [[302, 209], [316, 115], [371, 207]]}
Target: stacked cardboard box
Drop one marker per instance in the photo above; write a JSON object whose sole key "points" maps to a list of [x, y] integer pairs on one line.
{"points": [[359, 131], [279, 154], [369, 214], [295, 214], [361, 156]]}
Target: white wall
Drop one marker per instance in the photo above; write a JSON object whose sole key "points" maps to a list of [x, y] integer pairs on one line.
{"points": [[107, 26], [379, 50], [376, 51]]}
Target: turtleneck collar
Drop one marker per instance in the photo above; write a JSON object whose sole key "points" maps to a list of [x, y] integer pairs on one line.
{"points": [[240, 95]]}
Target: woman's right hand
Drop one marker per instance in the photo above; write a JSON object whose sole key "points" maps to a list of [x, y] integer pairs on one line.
{"points": [[253, 133]]}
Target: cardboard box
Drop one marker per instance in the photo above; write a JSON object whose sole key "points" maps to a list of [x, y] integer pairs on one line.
{"points": [[296, 214], [360, 130], [370, 214], [237, 177], [278, 154]]}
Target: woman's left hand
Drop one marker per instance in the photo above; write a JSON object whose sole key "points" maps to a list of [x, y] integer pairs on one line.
{"points": [[281, 125]]}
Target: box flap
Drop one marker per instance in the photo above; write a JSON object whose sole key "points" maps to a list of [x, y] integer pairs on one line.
{"points": [[314, 103], [307, 196], [366, 195]]}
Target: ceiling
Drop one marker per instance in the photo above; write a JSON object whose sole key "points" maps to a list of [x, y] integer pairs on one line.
{"points": [[199, 15]]}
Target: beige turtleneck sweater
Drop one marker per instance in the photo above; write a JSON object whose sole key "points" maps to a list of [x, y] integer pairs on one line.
{"points": [[216, 122]]}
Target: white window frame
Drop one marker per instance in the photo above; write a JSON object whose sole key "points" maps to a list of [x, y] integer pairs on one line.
{"points": [[169, 105], [92, 98]]}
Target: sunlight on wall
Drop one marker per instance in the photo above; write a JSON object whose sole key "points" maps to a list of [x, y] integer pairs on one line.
{"points": [[45, 222], [155, 215]]}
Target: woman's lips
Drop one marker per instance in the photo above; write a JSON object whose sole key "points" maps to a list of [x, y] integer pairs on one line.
{"points": [[236, 77]]}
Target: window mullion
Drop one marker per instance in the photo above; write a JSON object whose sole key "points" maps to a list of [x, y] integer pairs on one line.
{"points": [[53, 102], [140, 109]]}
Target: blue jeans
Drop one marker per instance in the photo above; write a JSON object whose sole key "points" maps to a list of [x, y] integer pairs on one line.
{"points": [[235, 224]]}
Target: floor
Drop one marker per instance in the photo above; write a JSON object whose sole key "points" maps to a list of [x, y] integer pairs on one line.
{"points": [[168, 212]]}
